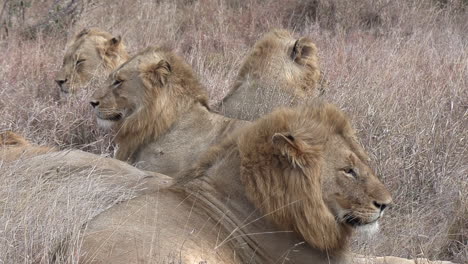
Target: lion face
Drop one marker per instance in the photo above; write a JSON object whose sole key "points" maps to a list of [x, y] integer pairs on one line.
{"points": [[121, 97], [306, 170], [92, 54], [351, 190]]}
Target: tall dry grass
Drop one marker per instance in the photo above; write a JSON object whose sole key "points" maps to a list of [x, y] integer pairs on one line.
{"points": [[398, 68]]}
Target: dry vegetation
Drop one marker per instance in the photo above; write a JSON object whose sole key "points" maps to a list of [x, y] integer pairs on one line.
{"points": [[398, 68]]}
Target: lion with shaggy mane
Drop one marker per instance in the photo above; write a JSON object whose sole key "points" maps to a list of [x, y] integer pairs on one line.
{"points": [[159, 111], [280, 70], [92, 53], [289, 188]]}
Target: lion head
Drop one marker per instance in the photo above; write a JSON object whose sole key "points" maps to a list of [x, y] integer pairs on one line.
{"points": [[93, 52], [144, 96], [280, 70], [14, 146], [306, 170]]}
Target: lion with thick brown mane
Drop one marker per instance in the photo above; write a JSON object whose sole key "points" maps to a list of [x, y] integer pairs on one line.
{"points": [[92, 53], [289, 188], [279, 70], [159, 111]]}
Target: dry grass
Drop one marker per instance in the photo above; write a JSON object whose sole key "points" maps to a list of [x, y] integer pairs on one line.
{"points": [[400, 70]]}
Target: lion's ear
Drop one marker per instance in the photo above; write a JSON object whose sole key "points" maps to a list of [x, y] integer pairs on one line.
{"points": [[157, 73], [112, 45], [303, 50], [115, 41], [296, 150]]}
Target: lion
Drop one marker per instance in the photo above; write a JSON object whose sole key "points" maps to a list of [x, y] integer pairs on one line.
{"points": [[290, 188], [159, 111], [92, 53], [279, 70], [46, 200], [14, 146]]}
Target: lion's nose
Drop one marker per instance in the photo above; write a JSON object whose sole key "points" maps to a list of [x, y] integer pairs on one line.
{"points": [[380, 205], [94, 103]]}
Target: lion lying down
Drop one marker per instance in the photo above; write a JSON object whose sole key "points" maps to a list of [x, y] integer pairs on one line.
{"points": [[289, 188], [159, 111], [47, 197], [273, 191], [280, 70]]}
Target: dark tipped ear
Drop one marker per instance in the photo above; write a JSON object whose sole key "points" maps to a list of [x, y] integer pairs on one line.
{"points": [[157, 73], [112, 45], [304, 49], [294, 149], [115, 41]]}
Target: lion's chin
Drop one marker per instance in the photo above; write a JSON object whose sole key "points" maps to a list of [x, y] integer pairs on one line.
{"points": [[368, 229], [105, 124]]}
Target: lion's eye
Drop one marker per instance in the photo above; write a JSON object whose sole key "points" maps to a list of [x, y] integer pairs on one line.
{"points": [[116, 83], [78, 62], [350, 171]]}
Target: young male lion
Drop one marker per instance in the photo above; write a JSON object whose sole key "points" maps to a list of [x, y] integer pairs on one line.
{"points": [[289, 188], [159, 111], [93, 53], [279, 70]]}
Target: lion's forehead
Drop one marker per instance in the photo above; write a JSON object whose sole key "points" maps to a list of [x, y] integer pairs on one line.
{"points": [[85, 45], [136, 62], [72, 55]]}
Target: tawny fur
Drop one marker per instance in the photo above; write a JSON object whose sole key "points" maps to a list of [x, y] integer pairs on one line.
{"points": [[164, 122], [279, 70], [99, 53], [310, 128], [161, 109], [14, 146], [242, 200]]}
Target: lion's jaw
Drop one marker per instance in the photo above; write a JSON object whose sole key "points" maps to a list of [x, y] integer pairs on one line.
{"points": [[105, 124]]}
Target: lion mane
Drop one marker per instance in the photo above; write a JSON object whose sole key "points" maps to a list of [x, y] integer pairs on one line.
{"points": [[311, 218], [160, 111], [279, 70]]}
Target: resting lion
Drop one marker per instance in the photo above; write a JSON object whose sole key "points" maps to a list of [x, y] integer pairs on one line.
{"points": [[289, 188], [279, 70], [92, 53], [46, 199], [159, 109], [14, 146]]}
